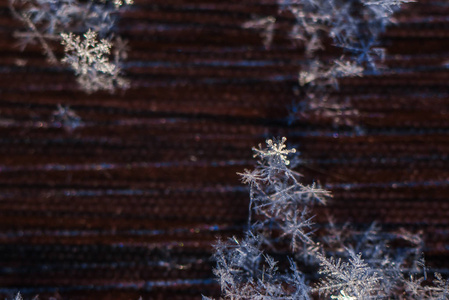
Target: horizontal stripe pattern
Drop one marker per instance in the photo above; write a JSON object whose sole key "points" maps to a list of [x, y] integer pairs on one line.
{"points": [[129, 203]]}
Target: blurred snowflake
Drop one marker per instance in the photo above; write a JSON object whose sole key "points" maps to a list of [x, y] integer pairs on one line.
{"points": [[65, 117]]}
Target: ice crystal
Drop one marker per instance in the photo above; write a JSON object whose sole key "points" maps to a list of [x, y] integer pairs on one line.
{"points": [[355, 277], [353, 26], [89, 58], [244, 272], [59, 20], [389, 5], [353, 263], [118, 3], [278, 195], [343, 296], [276, 152], [439, 290], [64, 116], [46, 19], [266, 25]]}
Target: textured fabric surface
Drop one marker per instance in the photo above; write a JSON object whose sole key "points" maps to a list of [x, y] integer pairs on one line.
{"points": [[128, 204]]}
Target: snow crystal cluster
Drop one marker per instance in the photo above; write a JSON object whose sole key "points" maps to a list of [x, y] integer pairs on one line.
{"points": [[353, 27], [63, 21], [284, 255]]}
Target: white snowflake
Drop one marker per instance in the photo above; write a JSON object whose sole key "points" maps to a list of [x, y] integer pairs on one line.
{"points": [[276, 152], [89, 58]]}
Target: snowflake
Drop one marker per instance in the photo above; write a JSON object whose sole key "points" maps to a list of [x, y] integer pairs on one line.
{"points": [[276, 151], [49, 20], [66, 117], [89, 59]]}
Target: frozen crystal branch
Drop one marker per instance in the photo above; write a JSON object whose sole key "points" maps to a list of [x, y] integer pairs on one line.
{"points": [[354, 278], [64, 116]]}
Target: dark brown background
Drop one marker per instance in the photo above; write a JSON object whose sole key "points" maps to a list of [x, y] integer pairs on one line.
{"points": [[129, 204]]}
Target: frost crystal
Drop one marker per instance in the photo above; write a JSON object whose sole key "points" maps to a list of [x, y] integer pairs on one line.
{"points": [[244, 272], [438, 291], [50, 20], [66, 117], [353, 263], [265, 24], [353, 26], [390, 5], [355, 278], [89, 59], [118, 3], [343, 296], [278, 196]]}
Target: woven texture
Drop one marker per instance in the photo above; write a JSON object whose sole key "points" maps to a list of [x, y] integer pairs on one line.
{"points": [[129, 204]]}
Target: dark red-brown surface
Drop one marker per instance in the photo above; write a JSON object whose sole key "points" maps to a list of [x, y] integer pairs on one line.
{"points": [[129, 204]]}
